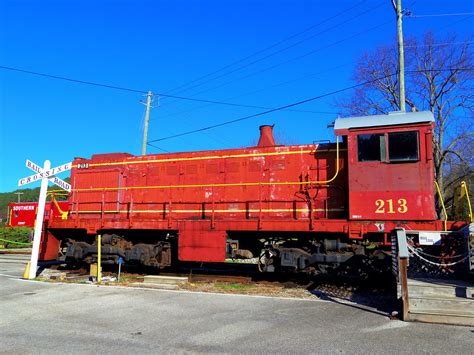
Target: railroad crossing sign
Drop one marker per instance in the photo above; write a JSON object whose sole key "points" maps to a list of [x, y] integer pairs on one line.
{"points": [[46, 173], [43, 174]]}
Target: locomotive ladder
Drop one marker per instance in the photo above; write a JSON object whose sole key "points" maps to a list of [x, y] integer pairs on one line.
{"points": [[434, 300]]}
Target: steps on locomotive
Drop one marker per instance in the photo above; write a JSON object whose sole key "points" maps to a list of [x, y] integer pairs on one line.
{"points": [[441, 301], [163, 282], [155, 286]]}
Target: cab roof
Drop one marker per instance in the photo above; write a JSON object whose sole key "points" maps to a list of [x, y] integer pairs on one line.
{"points": [[392, 119]]}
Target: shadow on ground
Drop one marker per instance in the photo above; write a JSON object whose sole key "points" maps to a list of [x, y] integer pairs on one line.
{"points": [[376, 294]]}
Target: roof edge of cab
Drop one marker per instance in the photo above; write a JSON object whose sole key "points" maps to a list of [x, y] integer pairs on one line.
{"points": [[391, 119]]}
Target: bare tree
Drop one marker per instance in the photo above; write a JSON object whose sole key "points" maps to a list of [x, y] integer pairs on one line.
{"points": [[439, 78]]}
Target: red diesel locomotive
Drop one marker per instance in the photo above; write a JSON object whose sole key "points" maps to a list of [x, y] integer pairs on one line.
{"points": [[300, 207]]}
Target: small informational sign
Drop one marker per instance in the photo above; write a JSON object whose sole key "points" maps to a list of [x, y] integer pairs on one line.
{"points": [[429, 238]]}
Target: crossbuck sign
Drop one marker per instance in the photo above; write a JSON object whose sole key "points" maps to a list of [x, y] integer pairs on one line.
{"points": [[43, 174], [46, 174]]}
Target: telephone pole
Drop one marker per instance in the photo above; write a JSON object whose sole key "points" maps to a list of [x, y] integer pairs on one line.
{"points": [[18, 193], [147, 118], [401, 55]]}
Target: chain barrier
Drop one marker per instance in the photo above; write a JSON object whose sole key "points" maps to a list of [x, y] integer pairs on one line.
{"points": [[416, 253], [435, 256]]}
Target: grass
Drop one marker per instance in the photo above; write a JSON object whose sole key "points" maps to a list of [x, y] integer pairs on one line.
{"points": [[232, 286], [126, 279], [15, 237]]}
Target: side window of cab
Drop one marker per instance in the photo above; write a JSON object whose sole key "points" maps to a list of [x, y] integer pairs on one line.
{"points": [[392, 147], [371, 147], [403, 146]]}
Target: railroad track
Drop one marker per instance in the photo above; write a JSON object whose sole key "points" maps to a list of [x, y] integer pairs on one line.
{"points": [[25, 251], [14, 258]]}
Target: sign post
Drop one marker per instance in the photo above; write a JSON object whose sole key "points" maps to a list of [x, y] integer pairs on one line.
{"points": [[44, 174], [39, 223]]}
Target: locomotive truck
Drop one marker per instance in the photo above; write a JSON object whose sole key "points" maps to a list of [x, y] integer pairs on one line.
{"points": [[310, 207]]}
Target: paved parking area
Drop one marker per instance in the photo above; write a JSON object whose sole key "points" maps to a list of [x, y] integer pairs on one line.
{"points": [[38, 317]]}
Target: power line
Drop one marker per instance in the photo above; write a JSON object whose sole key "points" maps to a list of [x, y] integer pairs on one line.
{"points": [[283, 49], [256, 115], [250, 106], [299, 103], [272, 86], [154, 146], [282, 63], [268, 48], [441, 15], [453, 23], [441, 44], [294, 58], [50, 76]]}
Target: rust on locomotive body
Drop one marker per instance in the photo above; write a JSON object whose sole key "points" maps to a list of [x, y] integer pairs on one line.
{"points": [[297, 207]]}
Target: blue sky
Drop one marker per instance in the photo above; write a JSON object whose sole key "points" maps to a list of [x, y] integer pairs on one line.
{"points": [[162, 45]]}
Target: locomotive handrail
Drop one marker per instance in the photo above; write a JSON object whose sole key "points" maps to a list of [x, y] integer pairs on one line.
{"points": [[57, 193], [56, 204], [168, 160], [213, 209], [260, 216], [169, 213], [337, 166], [209, 209], [444, 208], [102, 209], [204, 185], [260, 183], [464, 186]]}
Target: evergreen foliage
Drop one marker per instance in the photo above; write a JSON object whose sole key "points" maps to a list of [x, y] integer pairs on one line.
{"points": [[29, 195]]}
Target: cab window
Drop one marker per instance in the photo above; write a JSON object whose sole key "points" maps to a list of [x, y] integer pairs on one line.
{"points": [[403, 146], [371, 147]]}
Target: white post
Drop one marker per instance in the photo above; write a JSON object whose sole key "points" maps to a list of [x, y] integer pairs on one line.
{"points": [[39, 222]]}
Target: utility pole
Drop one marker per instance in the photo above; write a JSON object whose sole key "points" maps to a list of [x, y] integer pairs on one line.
{"points": [[401, 55], [18, 193], [147, 118]]}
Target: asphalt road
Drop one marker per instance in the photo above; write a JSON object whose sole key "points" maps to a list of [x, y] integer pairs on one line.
{"points": [[37, 317]]}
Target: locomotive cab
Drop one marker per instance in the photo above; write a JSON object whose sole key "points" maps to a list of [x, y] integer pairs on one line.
{"points": [[390, 166]]}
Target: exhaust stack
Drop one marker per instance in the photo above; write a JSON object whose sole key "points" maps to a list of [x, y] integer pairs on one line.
{"points": [[266, 136]]}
